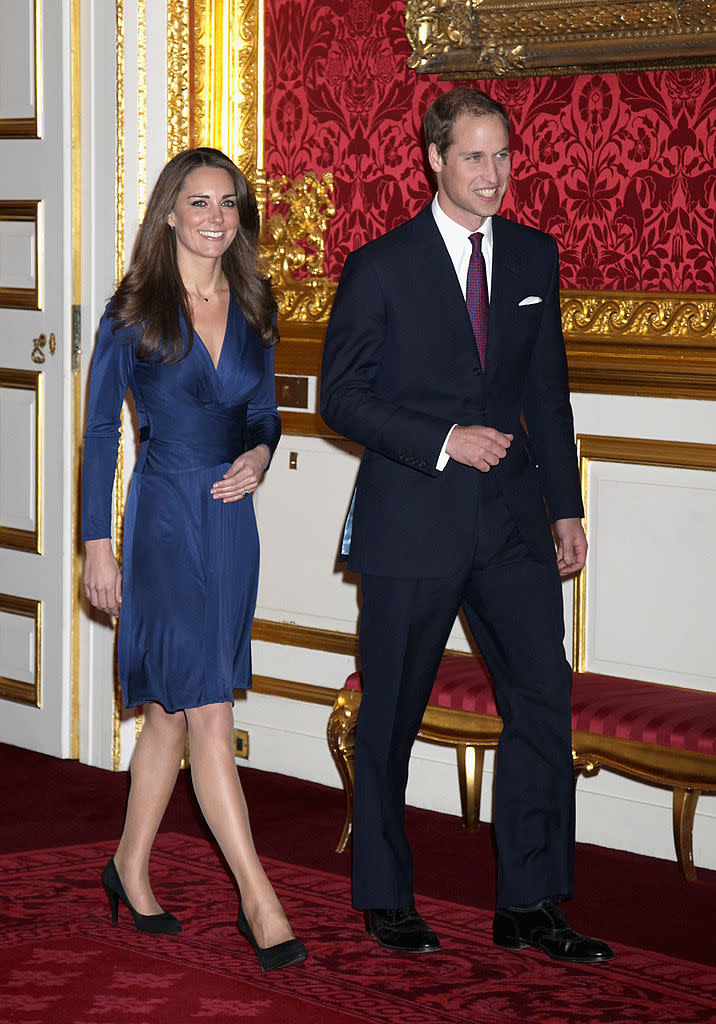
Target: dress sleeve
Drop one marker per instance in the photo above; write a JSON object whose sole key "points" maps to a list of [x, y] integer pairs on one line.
{"points": [[112, 366], [263, 423]]}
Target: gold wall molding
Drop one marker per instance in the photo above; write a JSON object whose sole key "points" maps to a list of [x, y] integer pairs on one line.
{"points": [[307, 693], [641, 343], [77, 561], [179, 71], [141, 109], [332, 641], [629, 343], [245, 102], [633, 451], [493, 38], [119, 242], [16, 689], [223, 76], [119, 179], [649, 314]]}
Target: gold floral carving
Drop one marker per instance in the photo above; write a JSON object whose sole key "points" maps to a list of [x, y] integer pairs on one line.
{"points": [[486, 38], [119, 178], [199, 71], [294, 245], [141, 108], [621, 314], [178, 72], [244, 114], [119, 243]]}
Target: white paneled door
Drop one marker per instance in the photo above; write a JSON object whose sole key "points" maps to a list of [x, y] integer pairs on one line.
{"points": [[36, 543]]}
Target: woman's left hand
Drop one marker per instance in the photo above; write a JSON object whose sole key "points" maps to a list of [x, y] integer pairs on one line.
{"points": [[243, 476]]}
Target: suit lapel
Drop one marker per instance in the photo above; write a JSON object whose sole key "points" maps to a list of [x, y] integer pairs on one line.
{"points": [[506, 265], [432, 263]]}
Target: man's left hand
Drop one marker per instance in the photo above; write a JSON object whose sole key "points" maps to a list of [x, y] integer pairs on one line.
{"points": [[571, 546]]}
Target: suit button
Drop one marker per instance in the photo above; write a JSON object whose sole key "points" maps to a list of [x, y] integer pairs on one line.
{"points": [[483, 412], [476, 370]]}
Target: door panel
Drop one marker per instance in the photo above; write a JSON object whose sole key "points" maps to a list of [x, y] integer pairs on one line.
{"points": [[36, 546]]}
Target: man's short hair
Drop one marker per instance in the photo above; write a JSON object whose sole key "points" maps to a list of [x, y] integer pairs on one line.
{"points": [[441, 115]]}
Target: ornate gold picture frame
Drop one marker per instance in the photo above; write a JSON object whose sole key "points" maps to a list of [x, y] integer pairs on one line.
{"points": [[484, 38], [635, 343]]}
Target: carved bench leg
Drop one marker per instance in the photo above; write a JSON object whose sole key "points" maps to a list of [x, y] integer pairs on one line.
{"points": [[470, 761], [341, 741], [685, 801]]}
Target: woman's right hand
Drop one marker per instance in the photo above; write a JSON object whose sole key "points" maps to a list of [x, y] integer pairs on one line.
{"points": [[103, 579]]}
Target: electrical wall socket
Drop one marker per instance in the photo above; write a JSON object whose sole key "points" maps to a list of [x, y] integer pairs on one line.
{"points": [[241, 743]]}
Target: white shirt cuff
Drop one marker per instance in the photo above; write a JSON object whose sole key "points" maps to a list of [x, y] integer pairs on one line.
{"points": [[443, 457]]}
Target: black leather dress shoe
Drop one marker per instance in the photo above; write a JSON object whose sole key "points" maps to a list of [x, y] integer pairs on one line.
{"points": [[403, 930], [544, 928]]}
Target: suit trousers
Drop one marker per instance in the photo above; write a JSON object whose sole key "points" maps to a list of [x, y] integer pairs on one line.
{"points": [[513, 606]]}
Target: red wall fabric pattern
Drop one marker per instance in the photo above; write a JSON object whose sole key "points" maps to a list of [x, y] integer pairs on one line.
{"points": [[620, 168]]}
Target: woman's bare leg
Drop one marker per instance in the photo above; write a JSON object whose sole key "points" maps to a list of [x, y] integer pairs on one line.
{"points": [[154, 768], [221, 798]]}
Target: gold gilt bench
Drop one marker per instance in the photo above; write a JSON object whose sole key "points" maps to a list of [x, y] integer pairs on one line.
{"points": [[660, 734]]}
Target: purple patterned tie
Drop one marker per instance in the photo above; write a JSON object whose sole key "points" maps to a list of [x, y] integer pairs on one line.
{"points": [[478, 304]]}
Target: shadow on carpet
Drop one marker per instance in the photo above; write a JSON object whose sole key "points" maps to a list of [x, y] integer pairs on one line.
{"points": [[62, 961]]}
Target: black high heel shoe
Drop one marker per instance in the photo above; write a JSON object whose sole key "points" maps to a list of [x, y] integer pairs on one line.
{"points": [[155, 924], [270, 958]]}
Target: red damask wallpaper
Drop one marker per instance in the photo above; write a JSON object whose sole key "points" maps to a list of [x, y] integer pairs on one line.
{"points": [[620, 168]]}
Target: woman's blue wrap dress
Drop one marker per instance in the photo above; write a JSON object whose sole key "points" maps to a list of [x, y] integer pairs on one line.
{"points": [[189, 563]]}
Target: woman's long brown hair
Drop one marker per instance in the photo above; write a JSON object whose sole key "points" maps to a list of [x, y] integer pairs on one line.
{"points": [[152, 293]]}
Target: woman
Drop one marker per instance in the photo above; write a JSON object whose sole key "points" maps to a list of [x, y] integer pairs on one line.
{"points": [[190, 331]]}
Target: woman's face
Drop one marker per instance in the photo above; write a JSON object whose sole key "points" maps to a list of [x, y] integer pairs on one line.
{"points": [[205, 217]]}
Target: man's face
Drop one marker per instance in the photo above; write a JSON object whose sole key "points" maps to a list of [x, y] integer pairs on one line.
{"points": [[473, 176]]}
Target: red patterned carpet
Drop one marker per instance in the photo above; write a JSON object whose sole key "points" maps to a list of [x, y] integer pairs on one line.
{"points": [[61, 961]]}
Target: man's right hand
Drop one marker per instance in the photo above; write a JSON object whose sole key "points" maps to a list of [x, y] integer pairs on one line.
{"points": [[480, 447]]}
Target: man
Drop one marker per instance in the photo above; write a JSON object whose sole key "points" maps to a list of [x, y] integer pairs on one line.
{"points": [[450, 510]]}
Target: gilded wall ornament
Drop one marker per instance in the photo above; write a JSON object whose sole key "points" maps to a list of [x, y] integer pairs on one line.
{"points": [[294, 245], [178, 74], [661, 316]]}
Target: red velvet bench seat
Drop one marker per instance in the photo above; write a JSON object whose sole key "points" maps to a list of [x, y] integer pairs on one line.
{"points": [[655, 733]]}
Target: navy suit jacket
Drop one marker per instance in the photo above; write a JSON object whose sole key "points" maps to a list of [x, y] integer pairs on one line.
{"points": [[400, 366]]}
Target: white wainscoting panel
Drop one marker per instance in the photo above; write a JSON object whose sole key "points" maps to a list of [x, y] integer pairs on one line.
{"points": [[651, 572], [300, 514], [17, 59], [17, 648], [18, 249], [18, 448]]}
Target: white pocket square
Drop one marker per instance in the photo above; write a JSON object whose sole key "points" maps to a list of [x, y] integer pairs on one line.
{"points": [[531, 300]]}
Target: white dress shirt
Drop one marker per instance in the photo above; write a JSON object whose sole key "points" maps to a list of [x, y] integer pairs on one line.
{"points": [[458, 244]]}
